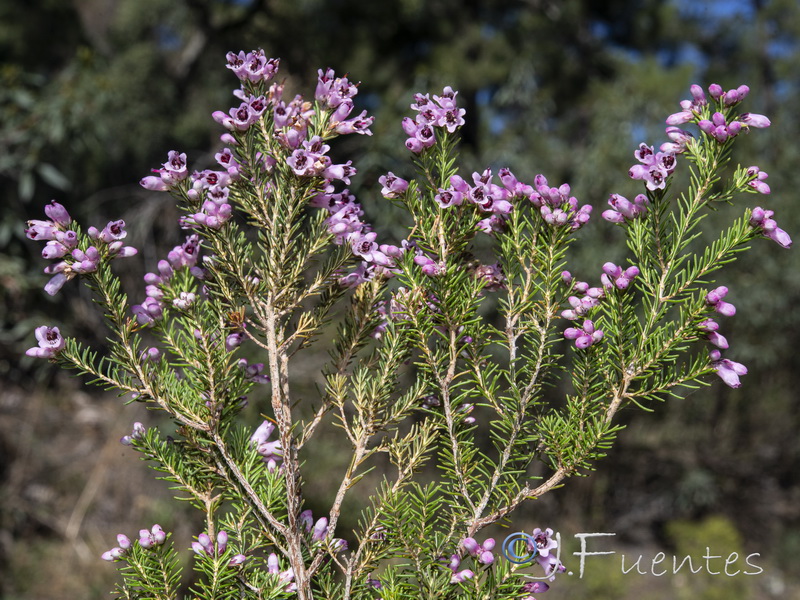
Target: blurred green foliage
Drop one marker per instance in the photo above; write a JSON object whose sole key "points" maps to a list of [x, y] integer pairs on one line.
{"points": [[93, 93]]}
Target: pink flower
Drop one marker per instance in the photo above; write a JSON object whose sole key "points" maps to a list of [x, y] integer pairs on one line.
{"points": [[50, 342], [728, 370]]}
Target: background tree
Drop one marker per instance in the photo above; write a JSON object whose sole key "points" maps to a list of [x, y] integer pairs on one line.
{"points": [[565, 88]]}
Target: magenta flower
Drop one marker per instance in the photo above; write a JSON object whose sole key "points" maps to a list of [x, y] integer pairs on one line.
{"points": [[762, 219], [50, 342], [728, 370]]}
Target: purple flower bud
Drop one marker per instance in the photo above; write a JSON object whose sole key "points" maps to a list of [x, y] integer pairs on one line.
{"points": [[471, 545], [755, 120], [306, 520], [158, 534], [56, 212], [728, 370], [714, 299], [320, 530], [237, 560]]}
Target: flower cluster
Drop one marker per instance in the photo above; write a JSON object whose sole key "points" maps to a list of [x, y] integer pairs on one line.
{"points": [[615, 277], [714, 299], [762, 219], [318, 531], [119, 551], [441, 112], [137, 434], [728, 370], [285, 578], [169, 175], [148, 538], [585, 335], [270, 451], [757, 181], [336, 93], [623, 210], [158, 288], [545, 544], [717, 126], [557, 206], [655, 167], [205, 547], [253, 66], [63, 243], [482, 552], [580, 306]]}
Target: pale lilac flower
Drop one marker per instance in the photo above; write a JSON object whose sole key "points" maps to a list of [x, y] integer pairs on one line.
{"points": [[364, 246], [492, 277], [624, 209], [50, 342], [237, 560], [535, 587], [41, 230], [306, 520], [679, 138], [762, 219], [285, 578], [393, 186], [154, 537], [148, 312], [184, 300], [320, 531], [234, 340], [758, 183], [709, 328], [754, 120], [714, 299], [57, 213], [430, 267], [137, 434], [728, 370]]}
